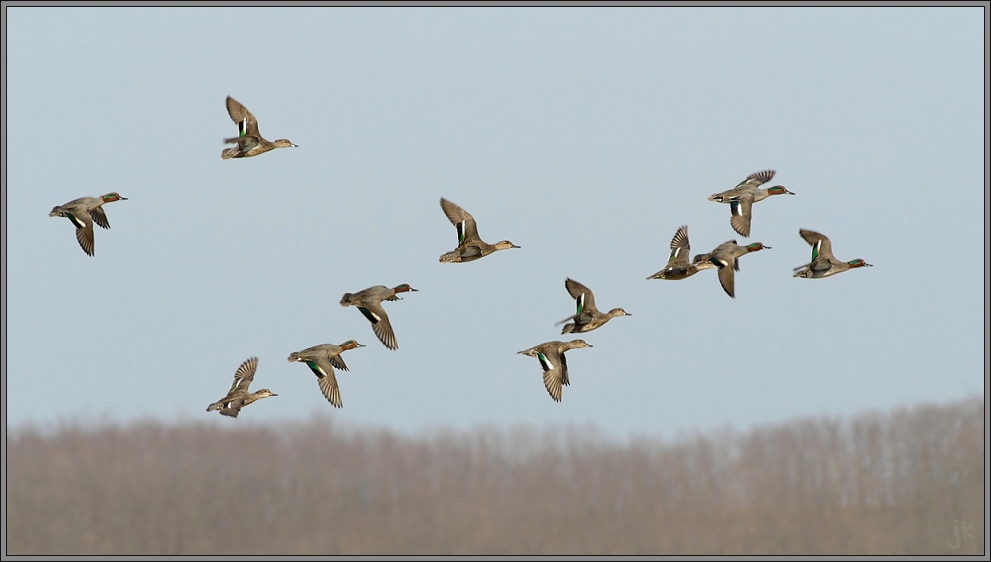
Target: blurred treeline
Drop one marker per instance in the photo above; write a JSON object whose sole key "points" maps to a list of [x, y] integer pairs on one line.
{"points": [[910, 481]]}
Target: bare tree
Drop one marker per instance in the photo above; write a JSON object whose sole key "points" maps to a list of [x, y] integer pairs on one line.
{"points": [[907, 482]]}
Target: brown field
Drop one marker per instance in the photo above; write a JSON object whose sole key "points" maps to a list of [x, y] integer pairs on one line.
{"points": [[904, 482]]}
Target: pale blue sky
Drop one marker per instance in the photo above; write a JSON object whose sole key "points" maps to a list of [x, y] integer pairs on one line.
{"points": [[584, 135]]}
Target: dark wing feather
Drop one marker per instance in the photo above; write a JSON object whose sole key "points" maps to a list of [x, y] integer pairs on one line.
{"points": [[679, 248], [564, 369], [245, 120], [741, 210], [461, 219], [726, 279], [337, 362], [813, 238], [100, 217], [84, 235], [330, 390], [576, 290], [244, 374]]}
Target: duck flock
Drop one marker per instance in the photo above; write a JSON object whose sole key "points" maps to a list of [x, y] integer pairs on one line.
{"points": [[324, 358]]}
